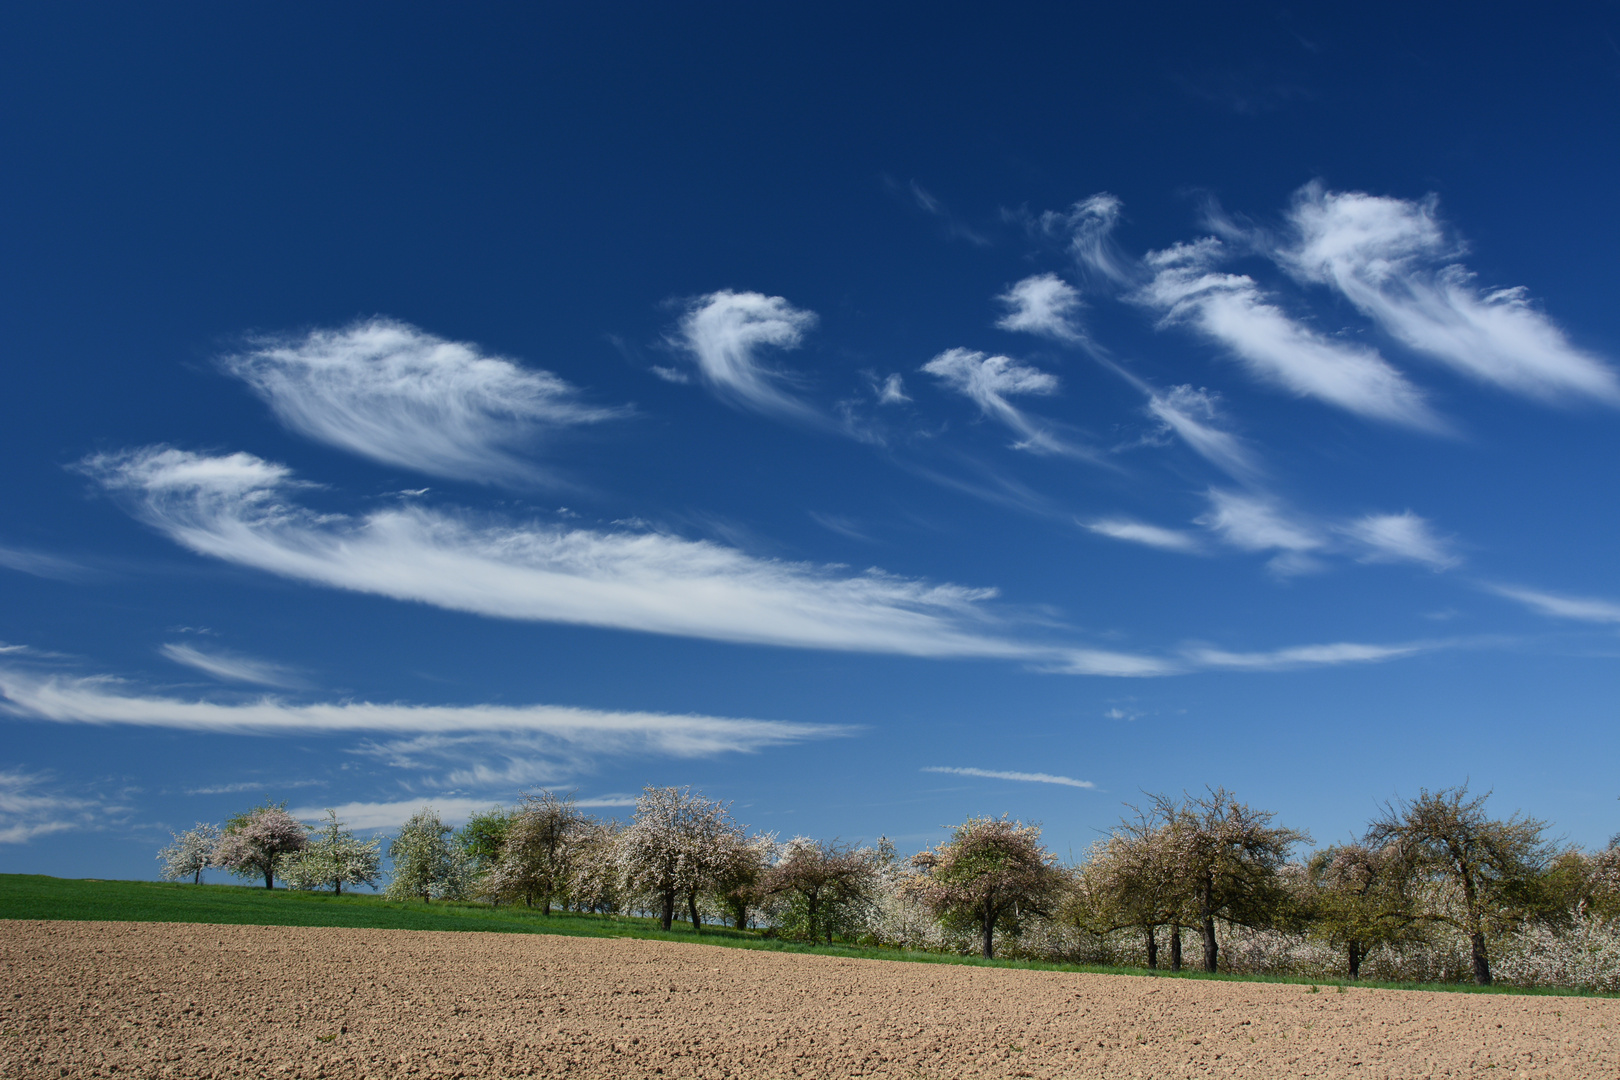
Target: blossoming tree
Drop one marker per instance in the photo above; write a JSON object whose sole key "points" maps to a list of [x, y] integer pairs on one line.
{"points": [[334, 858], [191, 853], [426, 865], [675, 846], [255, 843], [990, 874]]}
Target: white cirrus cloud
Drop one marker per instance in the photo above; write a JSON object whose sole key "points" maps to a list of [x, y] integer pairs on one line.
{"points": [[1025, 777], [1303, 656], [1231, 310], [723, 333], [1114, 664], [892, 391], [237, 508], [988, 381], [1258, 523], [1561, 606], [390, 392], [1137, 532], [1391, 258], [233, 667], [1403, 537], [1089, 225], [1045, 305], [32, 806], [103, 700], [1194, 416], [43, 565]]}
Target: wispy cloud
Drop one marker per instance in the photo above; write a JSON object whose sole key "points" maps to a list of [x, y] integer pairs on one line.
{"points": [[1559, 606], [1194, 416], [1302, 656], [1391, 258], [931, 204], [253, 785], [237, 508], [1136, 532], [1027, 777], [31, 806], [723, 333], [1088, 227], [1260, 523], [1230, 310], [841, 525], [393, 393], [892, 391], [988, 381], [39, 564], [233, 667], [1403, 537], [103, 700], [1044, 305]]}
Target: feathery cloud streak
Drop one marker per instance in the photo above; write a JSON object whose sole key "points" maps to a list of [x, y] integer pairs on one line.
{"points": [[393, 393], [28, 808], [100, 700], [1136, 532], [236, 508], [232, 668], [1089, 225], [1581, 608], [1391, 259], [1259, 523], [1027, 777], [1403, 537], [1301, 656], [724, 331], [1231, 310], [1195, 417], [988, 381]]}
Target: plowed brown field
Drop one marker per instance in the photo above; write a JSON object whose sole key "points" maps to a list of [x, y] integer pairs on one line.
{"points": [[164, 999]]}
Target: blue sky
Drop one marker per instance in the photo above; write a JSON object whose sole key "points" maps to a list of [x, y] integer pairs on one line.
{"points": [[867, 417]]}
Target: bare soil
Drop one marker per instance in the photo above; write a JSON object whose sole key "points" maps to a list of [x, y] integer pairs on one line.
{"points": [[165, 999]]}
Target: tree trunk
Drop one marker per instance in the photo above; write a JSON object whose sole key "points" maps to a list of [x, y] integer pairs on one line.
{"points": [[1482, 963], [1153, 949], [1355, 959], [269, 877], [337, 886], [545, 905], [691, 909], [667, 916], [1476, 932], [989, 933], [1211, 946], [1175, 946], [198, 879]]}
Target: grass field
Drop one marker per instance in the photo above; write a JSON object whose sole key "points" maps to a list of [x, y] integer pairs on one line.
{"points": [[34, 896]]}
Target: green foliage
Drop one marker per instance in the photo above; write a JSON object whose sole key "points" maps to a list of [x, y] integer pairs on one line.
{"points": [[483, 838], [1491, 872]]}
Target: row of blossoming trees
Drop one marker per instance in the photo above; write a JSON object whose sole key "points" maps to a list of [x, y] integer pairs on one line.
{"points": [[1437, 889]]}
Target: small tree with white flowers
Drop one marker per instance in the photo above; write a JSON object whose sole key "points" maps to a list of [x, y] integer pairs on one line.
{"points": [[334, 858], [191, 853]]}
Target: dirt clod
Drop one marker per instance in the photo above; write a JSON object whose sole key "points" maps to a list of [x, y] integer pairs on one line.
{"points": [[173, 1000]]}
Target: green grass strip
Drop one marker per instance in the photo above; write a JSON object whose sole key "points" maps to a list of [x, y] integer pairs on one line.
{"points": [[34, 896]]}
